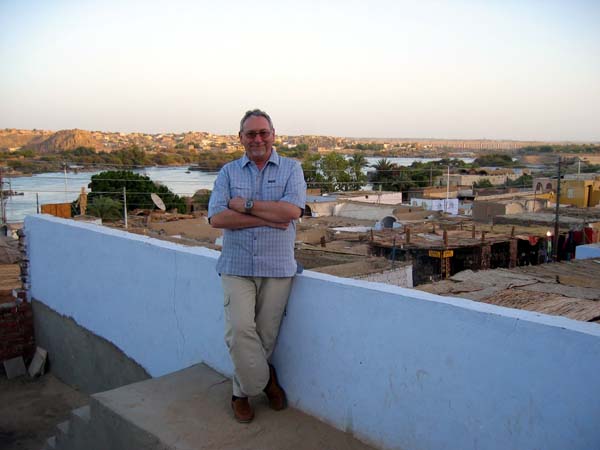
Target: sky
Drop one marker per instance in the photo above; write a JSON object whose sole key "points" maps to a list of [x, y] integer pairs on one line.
{"points": [[487, 69]]}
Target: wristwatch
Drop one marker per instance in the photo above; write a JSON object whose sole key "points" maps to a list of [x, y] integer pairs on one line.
{"points": [[248, 206]]}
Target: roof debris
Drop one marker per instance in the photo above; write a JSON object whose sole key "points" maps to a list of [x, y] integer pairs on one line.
{"points": [[570, 289]]}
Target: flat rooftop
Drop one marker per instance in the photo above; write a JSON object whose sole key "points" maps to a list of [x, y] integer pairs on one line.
{"points": [[570, 289]]}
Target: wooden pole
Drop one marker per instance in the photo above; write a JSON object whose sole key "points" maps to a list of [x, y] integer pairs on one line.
{"points": [[556, 218], [125, 205]]}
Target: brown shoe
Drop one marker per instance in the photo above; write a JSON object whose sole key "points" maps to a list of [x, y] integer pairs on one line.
{"points": [[242, 410], [275, 393]]}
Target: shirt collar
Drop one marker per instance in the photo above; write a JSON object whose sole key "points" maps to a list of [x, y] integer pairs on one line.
{"points": [[274, 158]]}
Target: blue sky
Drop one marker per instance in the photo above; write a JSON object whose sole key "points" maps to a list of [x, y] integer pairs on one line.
{"points": [[453, 69]]}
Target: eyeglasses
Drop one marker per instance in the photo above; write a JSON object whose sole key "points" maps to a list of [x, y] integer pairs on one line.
{"points": [[264, 134]]}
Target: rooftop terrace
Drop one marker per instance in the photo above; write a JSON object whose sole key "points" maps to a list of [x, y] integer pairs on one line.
{"points": [[393, 367]]}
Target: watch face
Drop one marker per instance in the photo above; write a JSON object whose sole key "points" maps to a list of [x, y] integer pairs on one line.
{"points": [[249, 204]]}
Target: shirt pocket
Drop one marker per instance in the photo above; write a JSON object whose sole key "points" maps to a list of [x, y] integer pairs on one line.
{"points": [[273, 192], [241, 190]]}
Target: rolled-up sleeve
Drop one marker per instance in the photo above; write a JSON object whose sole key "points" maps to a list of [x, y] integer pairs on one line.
{"points": [[295, 188], [219, 199]]}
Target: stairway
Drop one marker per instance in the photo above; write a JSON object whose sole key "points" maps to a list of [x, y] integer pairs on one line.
{"points": [[189, 410]]}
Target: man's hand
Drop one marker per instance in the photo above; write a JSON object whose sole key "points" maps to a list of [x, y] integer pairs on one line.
{"points": [[238, 204]]}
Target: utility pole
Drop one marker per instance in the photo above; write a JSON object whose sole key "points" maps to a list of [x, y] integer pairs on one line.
{"points": [[556, 218], [65, 172], [125, 205], [447, 190], [2, 205]]}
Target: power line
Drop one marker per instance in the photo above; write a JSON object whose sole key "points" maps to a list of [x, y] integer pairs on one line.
{"points": [[321, 183], [394, 171]]}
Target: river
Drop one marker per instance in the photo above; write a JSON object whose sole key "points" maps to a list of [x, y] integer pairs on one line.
{"points": [[55, 187]]}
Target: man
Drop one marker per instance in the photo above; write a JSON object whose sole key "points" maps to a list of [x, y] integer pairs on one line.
{"points": [[256, 200]]}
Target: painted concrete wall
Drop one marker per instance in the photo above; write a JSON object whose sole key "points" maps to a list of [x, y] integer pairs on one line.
{"points": [[468, 180], [449, 205], [402, 276], [82, 359], [387, 198], [321, 209], [362, 211], [485, 211], [581, 193], [587, 251], [396, 367]]}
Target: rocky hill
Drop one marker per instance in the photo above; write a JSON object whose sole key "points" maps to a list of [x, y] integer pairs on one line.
{"points": [[11, 138], [67, 140]]}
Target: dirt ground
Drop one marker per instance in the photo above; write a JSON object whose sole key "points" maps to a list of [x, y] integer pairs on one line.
{"points": [[192, 228], [198, 231], [31, 408]]}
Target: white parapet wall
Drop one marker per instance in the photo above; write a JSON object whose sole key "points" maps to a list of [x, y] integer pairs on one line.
{"points": [[396, 367]]}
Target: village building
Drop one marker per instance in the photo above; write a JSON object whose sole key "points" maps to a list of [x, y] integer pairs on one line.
{"points": [[581, 190], [468, 177], [487, 210]]}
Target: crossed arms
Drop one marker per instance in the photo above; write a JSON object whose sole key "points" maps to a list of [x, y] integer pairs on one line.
{"points": [[263, 214]]}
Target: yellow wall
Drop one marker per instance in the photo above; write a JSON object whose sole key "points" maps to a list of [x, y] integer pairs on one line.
{"points": [[595, 194], [576, 192]]}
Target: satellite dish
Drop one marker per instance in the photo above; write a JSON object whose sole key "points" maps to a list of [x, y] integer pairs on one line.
{"points": [[158, 201]]}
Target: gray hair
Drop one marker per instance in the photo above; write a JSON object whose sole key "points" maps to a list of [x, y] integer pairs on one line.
{"points": [[255, 113]]}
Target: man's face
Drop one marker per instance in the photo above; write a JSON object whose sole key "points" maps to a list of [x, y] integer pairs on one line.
{"points": [[258, 148]]}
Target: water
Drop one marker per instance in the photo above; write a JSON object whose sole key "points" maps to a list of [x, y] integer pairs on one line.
{"points": [[50, 187], [372, 160]]}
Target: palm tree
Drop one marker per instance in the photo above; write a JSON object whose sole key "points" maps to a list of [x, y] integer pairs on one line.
{"points": [[385, 172], [384, 165], [358, 160], [356, 164]]}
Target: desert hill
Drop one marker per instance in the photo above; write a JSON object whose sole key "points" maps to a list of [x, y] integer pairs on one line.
{"points": [[67, 140], [11, 138]]}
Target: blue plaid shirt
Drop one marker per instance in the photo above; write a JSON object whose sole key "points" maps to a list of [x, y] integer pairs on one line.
{"points": [[258, 251]]}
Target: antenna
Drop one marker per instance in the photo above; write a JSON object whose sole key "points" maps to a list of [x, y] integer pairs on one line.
{"points": [[158, 202]]}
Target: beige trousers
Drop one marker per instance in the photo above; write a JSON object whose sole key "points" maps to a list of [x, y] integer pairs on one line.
{"points": [[254, 307]]}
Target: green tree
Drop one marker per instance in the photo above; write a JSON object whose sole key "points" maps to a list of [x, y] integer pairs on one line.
{"points": [[298, 151], [385, 175], [214, 160], [484, 183], [312, 173], [391, 177], [201, 198], [106, 208], [336, 176], [131, 156], [356, 164], [494, 160], [369, 146], [138, 188], [418, 175], [524, 181], [333, 172]]}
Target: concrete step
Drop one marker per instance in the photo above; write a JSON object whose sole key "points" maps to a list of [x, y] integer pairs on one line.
{"points": [[190, 410], [50, 444], [79, 432], [62, 434], [81, 415]]}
